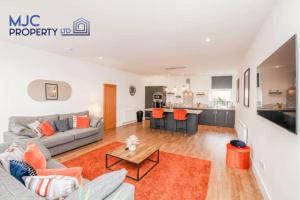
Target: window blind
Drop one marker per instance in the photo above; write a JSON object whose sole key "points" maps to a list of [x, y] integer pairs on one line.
{"points": [[221, 82]]}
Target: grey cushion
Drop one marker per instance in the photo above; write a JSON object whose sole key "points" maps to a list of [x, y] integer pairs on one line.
{"points": [[102, 186], [82, 132], [94, 121], [20, 120], [4, 146], [62, 125], [57, 139], [69, 116], [22, 130], [50, 118]]}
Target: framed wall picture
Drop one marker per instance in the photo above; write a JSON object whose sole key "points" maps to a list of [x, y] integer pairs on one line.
{"points": [[247, 87], [238, 90], [51, 91]]}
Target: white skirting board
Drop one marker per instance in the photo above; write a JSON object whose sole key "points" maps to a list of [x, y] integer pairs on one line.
{"points": [[260, 182], [129, 116], [242, 131]]}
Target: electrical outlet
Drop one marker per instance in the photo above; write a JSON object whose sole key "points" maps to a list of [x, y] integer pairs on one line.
{"points": [[262, 164]]}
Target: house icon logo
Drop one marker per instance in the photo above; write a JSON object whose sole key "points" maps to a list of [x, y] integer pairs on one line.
{"points": [[81, 27]]}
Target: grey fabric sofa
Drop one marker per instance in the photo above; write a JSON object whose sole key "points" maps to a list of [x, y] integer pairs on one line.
{"points": [[12, 189], [61, 141]]}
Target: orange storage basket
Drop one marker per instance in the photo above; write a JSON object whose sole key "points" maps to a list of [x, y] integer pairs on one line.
{"points": [[238, 157]]}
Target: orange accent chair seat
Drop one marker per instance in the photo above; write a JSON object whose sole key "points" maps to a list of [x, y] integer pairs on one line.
{"points": [[158, 114], [180, 115], [238, 157]]}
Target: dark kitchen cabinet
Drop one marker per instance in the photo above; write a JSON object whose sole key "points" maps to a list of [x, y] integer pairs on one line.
{"points": [[207, 117], [221, 117], [230, 121], [216, 117]]}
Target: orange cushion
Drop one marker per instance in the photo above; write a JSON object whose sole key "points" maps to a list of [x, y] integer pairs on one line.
{"points": [[73, 171], [47, 128], [83, 122], [34, 157]]}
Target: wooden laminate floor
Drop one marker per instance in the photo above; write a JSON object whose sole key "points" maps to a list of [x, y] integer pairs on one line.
{"points": [[209, 143]]}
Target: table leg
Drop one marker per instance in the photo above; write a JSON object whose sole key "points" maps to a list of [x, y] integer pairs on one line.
{"points": [[138, 172], [106, 161]]}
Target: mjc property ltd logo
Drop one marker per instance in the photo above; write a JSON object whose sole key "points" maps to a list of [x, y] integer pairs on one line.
{"points": [[29, 25]]}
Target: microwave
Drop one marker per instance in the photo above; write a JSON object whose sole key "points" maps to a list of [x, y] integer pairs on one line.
{"points": [[157, 96]]}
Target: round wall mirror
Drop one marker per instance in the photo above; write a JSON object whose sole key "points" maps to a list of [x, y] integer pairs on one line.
{"points": [[132, 90]]}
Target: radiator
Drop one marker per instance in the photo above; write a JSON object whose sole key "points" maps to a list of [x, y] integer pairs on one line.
{"points": [[129, 116], [242, 131]]}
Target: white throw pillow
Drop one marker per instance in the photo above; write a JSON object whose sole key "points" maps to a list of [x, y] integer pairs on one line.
{"points": [[35, 127], [14, 152], [51, 187]]}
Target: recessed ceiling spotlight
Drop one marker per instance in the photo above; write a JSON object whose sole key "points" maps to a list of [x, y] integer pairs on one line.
{"points": [[175, 68], [207, 39], [100, 58], [69, 49]]}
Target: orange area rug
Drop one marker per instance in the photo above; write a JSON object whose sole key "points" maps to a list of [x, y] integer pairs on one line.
{"points": [[176, 177]]}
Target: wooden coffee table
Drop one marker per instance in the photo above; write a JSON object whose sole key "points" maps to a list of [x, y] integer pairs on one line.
{"points": [[141, 154]]}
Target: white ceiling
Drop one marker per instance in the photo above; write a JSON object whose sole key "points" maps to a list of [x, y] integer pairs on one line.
{"points": [[146, 36]]}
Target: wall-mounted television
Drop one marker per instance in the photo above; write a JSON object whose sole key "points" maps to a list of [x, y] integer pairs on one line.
{"points": [[276, 86]]}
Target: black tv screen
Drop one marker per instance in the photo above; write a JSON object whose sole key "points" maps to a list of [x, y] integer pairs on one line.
{"points": [[276, 86]]}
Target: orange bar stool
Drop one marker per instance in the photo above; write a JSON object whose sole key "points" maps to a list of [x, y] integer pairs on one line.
{"points": [[158, 114], [238, 157], [180, 115]]}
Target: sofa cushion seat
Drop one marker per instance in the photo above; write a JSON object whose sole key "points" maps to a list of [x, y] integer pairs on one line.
{"points": [[54, 164], [82, 132], [57, 139]]}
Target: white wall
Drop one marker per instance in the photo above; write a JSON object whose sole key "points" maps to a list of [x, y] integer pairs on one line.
{"points": [[272, 145], [199, 83], [20, 65]]}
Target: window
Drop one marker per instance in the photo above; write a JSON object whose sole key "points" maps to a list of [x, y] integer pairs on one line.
{"points": [[220, 93], [220, 97]]}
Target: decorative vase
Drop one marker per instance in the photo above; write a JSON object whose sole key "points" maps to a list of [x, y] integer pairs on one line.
{"points": [[131, 142], [132, 147]]}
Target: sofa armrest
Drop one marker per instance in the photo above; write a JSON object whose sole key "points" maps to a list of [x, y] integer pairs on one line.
{"points": [[100, 126], [101, 187], [124, 192], [12, 137], [100, 123]]}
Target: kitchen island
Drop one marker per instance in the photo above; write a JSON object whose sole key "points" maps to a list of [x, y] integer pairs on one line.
{"points": [[214, 116], [192, 121]]}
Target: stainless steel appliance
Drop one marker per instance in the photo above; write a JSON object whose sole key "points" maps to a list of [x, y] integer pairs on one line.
{"points": [[157, 101]]}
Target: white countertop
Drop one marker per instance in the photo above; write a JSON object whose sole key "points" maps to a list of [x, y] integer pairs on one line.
{"points": [[197, 112]]}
